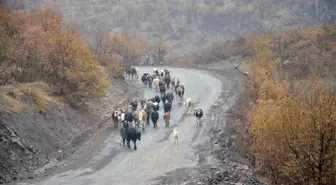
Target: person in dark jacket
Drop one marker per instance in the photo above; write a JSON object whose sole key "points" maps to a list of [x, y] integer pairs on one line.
{"points": [[143, 103], [148, 116], [150, 81], [167, 80], [155, 117], [128, 117]]}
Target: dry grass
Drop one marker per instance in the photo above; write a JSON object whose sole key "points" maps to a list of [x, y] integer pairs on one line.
{"points": [[7, 102], [38, 98], [10, 97]]}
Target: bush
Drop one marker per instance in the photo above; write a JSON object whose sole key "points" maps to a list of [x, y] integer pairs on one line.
{"points": [[295, 139], [292, 123], [37, 97], [35, 46]]}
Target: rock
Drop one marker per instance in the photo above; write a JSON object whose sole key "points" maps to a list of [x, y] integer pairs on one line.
{"points": [[225, 173], [218, 176], [245, 167]]}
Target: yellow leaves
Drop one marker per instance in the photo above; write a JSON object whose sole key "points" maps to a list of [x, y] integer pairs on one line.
{"points": [[125, 46], [47, 51], [287, 130], [293, 129], [261, 49]]}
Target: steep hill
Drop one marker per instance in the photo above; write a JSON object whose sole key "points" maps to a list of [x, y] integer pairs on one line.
{"points": [[189, 24]]}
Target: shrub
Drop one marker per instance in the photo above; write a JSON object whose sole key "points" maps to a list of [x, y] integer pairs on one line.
{"points": [[37, 97], [35, 46], [292, 123]]}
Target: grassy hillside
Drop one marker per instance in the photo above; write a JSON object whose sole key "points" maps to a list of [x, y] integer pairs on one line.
{"points": [[189, 23]]}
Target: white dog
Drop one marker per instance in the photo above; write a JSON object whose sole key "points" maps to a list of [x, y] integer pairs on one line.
{"points": [[176, 136], [188, 103]]}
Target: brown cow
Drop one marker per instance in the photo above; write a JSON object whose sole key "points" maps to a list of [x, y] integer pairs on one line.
{"points": [[166, 118]]}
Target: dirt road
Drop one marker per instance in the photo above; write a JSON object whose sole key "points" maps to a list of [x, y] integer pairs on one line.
{"points": [[111, 163]]}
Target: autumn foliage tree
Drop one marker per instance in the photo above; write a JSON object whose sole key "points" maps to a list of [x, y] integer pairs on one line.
{"points": [[117, 51], [293, 124], [36, 46], [160, 48]]}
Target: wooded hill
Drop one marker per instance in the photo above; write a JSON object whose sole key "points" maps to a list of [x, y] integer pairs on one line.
{"points": [[189, 24], [286, 117]]}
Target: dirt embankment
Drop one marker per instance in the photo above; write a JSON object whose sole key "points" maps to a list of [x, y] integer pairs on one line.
{"points": [[219, 158], [31, 139]]}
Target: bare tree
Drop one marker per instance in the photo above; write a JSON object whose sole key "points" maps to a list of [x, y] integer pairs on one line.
{"points": [[160, 48]]}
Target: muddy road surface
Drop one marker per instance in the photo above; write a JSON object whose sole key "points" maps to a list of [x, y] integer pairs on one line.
{"points": [[111, 163]]}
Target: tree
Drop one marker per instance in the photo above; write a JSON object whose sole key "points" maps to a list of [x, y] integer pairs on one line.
{"points": [[35, 46], [160, 48]]}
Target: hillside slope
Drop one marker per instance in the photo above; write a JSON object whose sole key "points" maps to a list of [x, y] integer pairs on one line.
{"points": [[54, 93], [189, 24], [30, 139]]}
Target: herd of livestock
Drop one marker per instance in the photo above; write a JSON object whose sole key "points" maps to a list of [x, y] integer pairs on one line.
{"points": [[133, 120]]}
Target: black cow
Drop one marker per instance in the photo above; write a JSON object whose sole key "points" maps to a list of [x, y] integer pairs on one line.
{"points": [[179, 91], [157, 99], [156, 106], [167, 107], [132, 135], [134, 104], [144, 80], [155, 117], [162, 89], [162, 84], [198, 113], [131, 72], [170, 97], [150, 81], [163, 97]]}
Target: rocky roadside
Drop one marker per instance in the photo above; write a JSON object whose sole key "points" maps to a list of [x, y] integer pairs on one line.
{"points": [[219, 161]]}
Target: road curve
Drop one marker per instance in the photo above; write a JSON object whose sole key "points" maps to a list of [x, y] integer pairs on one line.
{"points": [[156, 154]]}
